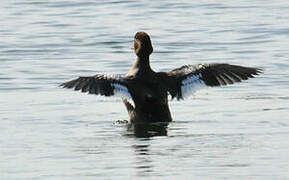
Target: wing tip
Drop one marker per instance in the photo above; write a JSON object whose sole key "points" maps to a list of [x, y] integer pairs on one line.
{"points": [[69, 84], [259, 71], [62, 85]]}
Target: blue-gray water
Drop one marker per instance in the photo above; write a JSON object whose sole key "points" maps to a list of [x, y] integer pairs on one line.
{"points": [[235, 132]]}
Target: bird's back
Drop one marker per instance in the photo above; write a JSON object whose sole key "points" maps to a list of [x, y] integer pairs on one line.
{"points": [[150, 98]]}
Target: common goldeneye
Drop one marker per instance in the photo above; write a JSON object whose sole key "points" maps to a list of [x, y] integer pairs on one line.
{"points": [[145, 92]]}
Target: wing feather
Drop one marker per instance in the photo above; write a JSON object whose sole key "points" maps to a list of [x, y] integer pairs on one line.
{"points": [[106, 85], [191, 78]]}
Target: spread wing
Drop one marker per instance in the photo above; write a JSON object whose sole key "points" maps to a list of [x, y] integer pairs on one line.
{"points": [[188, 79], [106, 85]]}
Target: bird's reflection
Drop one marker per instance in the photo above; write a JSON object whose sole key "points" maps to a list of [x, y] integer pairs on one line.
{"points": [[144, 163], [143, 133], [146, 130]]}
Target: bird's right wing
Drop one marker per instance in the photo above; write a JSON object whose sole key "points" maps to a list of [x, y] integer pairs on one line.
{"points": [[185, 80]]}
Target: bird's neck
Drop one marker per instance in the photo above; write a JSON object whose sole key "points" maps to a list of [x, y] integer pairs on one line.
{"points": [[141, 67]]}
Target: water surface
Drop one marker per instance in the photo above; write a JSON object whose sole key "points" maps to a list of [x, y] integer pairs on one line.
{"points": [[235, 132]]}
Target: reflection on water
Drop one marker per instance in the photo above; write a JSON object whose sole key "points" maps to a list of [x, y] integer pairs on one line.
{"points": [[144, 130], [143, 162]]}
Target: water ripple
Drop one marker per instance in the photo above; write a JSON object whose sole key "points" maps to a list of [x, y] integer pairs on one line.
{"points": [[73, 135]]}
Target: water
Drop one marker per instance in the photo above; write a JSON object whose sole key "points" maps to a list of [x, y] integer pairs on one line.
{"points": [[235, 132]]}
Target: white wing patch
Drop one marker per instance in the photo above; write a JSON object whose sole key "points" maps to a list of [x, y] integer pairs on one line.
{"points": [[122, 91], [191, 84]]}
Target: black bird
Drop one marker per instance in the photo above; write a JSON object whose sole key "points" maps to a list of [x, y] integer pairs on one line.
{"points": [[145, 92]]}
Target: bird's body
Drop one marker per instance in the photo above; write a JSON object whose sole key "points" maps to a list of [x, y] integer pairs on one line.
{"points": [[150, 98], [145, 92]]}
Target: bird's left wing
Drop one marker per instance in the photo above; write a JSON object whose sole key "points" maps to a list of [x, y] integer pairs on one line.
{"points": [[105, 85]]}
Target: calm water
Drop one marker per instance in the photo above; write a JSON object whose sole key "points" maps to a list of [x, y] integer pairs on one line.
{"points": [[236, 132]]}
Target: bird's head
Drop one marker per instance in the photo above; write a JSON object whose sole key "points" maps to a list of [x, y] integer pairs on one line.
{"points": [[142, 45]]}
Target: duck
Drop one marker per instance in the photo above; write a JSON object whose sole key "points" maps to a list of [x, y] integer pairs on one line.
{"points": [[145, 92]]}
